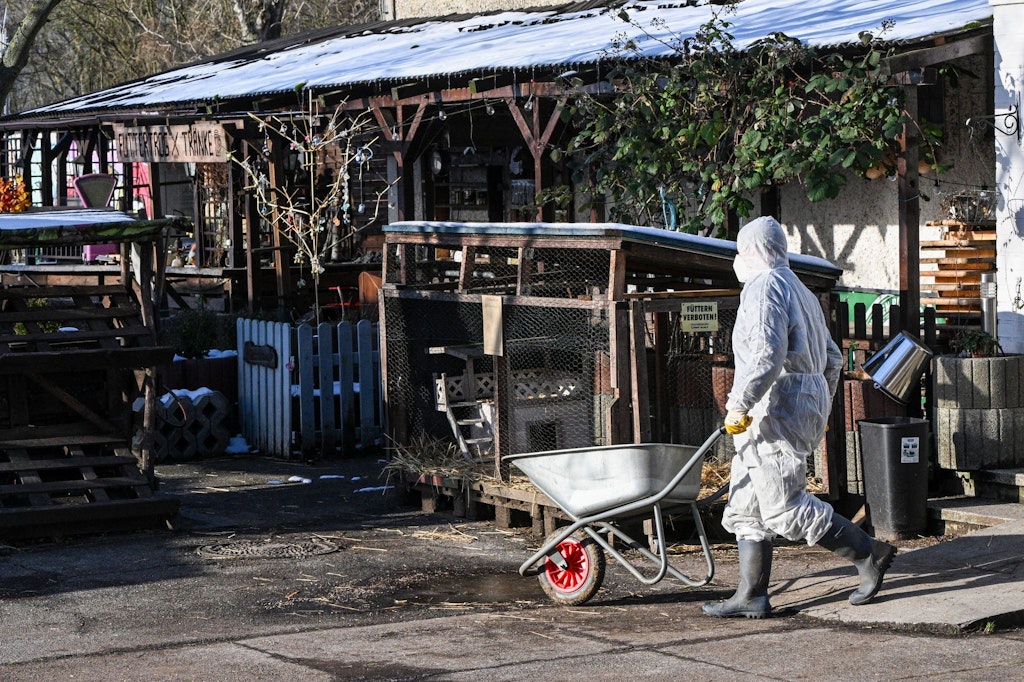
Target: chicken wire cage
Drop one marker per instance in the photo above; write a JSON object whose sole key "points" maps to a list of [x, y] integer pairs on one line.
{"points": [[690, 370], [596, 344], [554, 373]]}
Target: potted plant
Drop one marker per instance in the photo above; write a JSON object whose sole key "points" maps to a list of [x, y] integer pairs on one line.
{"points": [[205, 352], [977, 343], [978, 404]]}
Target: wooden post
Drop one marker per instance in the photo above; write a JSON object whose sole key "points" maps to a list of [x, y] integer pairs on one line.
{"points": [[282, 266], [909, 193], [834, 455], [501, 418], [46, 178], [392, 129], [145, 275], [537, 141], [638, 365]]}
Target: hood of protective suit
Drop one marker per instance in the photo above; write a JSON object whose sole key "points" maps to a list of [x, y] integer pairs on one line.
{"points": [[760, 246]]}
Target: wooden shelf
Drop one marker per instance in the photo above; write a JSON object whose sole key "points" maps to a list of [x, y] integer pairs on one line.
{"points": [[960, 258]]}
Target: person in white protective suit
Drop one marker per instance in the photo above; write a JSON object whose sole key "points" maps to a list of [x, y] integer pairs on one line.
{"points": [[787, 371]]}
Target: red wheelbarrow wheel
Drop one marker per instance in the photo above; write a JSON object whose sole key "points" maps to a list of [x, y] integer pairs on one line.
{"points": [[582, 576]]}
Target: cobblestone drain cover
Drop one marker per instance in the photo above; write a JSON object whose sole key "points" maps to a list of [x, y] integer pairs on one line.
{"points": [[268, 549]]}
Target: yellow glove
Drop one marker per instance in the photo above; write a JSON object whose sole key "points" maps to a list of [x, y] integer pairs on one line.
{"points": [[737, 421]]}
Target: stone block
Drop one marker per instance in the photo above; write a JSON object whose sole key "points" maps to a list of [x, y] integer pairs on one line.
{"points": [[971, 439]]}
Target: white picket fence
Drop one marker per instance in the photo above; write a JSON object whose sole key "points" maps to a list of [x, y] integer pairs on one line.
{"points": [[309, 391]]}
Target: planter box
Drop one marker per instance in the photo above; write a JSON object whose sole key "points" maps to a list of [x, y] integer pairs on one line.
{"points": [[217, 374], [979, 412]]}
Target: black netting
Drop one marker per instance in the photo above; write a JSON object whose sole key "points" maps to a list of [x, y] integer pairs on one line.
{"points": [[415, 327], [556, 378]]}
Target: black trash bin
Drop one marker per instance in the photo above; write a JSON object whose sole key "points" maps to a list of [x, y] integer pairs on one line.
{"points": [[894, 454]]}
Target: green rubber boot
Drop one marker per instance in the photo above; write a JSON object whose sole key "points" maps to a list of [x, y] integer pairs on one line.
{"points": [[871, 557], [751, 597]]}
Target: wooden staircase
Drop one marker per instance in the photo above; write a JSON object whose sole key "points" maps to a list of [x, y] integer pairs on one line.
{"points": [[952, 267], [73, 360]]}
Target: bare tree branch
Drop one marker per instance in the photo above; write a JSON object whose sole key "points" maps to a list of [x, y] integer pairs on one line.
{"points": [[17, 51]]}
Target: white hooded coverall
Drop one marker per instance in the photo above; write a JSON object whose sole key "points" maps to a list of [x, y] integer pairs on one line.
{"points": [[787, 371]]}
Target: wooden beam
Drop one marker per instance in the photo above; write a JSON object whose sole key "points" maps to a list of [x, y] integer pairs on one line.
{"points": [[536, 140], [71, 401], [942, 51]]}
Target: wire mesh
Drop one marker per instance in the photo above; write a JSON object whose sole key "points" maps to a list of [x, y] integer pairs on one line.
{"points": [[558, 377], [528, 271], [557, 385], [414, 327], [556, 371], [697, 377]]}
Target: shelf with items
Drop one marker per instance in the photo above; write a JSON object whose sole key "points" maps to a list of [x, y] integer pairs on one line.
{"points": [[955, 263], [465, 193]]}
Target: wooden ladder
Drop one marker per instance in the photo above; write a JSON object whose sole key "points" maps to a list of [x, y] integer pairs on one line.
{"points": [[470, 420]]}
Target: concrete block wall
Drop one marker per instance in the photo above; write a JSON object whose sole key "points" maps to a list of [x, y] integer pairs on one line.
{"points": [[979, 412]]}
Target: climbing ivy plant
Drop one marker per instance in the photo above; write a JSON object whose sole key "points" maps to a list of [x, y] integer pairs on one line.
{"points": [[703, 131]]}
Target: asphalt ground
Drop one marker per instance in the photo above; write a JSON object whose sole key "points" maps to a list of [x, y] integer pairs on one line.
{"points": [[330, 575]]}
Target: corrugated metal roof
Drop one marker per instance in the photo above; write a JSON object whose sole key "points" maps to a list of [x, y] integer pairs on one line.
{"points": [[567, 37]]}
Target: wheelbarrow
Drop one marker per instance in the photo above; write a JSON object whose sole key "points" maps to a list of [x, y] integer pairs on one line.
{"points": [[597, 488]]}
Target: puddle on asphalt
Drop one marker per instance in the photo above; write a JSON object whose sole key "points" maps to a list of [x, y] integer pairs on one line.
{"points": [[476, 589]]}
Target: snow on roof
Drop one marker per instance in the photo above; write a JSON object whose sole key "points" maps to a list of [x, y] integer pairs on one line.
{"points": [[653, 235], [520, 39]]}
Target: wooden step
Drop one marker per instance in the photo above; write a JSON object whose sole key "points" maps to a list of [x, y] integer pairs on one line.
{"points": [[965, 252], [471, 422], [967, 288], [75, 488]]}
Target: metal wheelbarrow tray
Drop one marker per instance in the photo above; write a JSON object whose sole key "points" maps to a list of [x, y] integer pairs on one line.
{"points": [[596, 487]]}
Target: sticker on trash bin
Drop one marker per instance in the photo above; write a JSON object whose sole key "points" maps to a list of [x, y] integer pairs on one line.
{"points": [[910, 450]]}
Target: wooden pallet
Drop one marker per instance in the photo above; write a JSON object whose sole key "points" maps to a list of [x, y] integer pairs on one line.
{"points": [[53, 490], [511, 507]]}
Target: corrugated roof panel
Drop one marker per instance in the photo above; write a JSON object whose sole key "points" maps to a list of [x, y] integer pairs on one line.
{"points": [[549, 37]]}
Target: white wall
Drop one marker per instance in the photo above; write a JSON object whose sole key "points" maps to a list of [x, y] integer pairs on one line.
{"points": [[1008, 32], [406, 9], [859, 231]]}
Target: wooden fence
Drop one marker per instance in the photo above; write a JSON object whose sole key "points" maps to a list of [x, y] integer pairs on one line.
{"points": [[863, 334], [314, 392]]}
